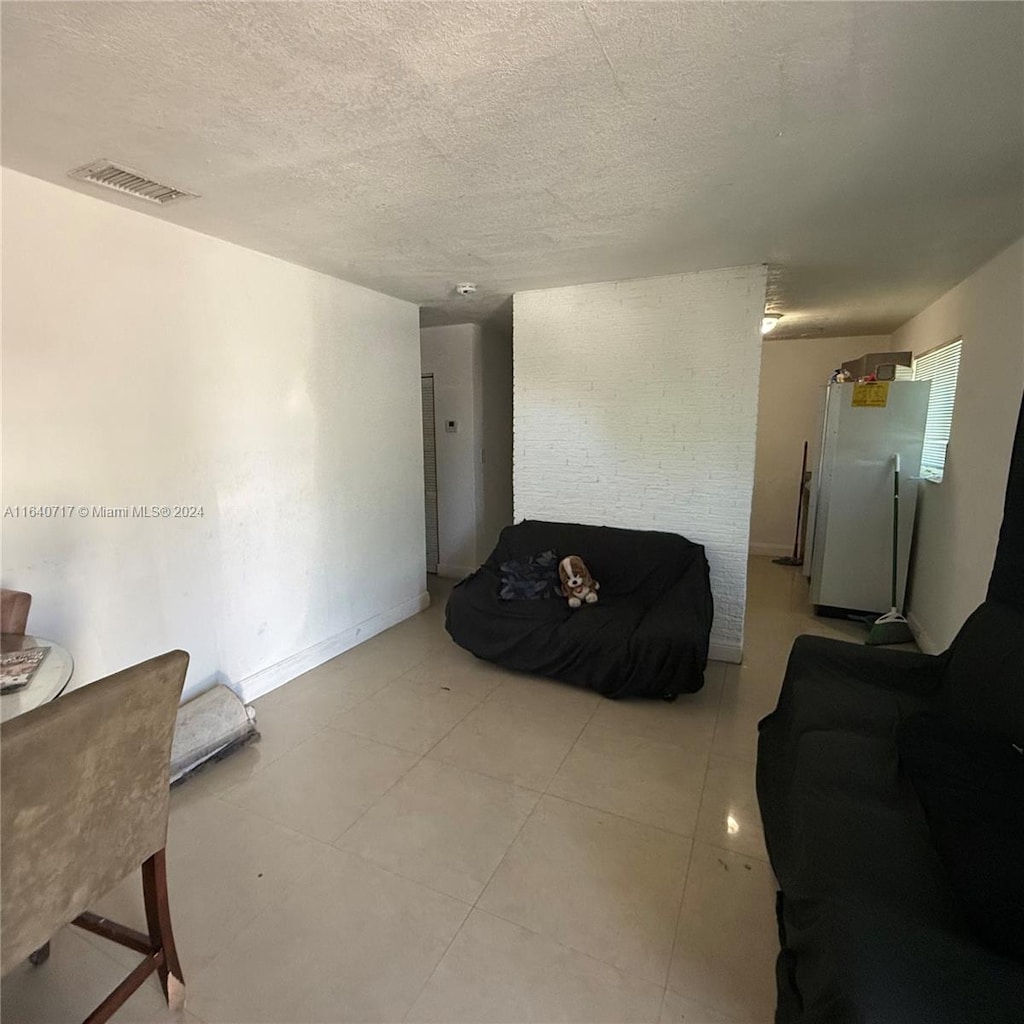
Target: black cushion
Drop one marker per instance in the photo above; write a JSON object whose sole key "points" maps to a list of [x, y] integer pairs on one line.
{"points": [[972, 789]]}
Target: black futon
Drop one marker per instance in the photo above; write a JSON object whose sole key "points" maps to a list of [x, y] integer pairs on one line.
{"points": [[647, 636]]}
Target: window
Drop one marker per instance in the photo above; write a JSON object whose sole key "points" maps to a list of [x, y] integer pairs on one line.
{"points": [[941, 367]]}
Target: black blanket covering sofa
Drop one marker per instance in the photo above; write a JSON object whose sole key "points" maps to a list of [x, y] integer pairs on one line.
{"points": [[890, 786], [647, 636]]}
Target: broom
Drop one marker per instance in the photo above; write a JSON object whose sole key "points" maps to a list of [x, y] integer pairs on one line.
{"points": [[797, 557], [892, 628]]}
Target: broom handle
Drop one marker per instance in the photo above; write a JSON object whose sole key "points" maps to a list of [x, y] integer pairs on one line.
{"points": [[895, 525], [800, 505]]}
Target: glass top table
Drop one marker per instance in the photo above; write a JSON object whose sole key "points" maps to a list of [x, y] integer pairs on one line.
{"points": [[48, 680]]}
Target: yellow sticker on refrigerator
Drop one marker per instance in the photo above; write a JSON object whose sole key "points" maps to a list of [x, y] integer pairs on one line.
{"points": [[871, 394]]}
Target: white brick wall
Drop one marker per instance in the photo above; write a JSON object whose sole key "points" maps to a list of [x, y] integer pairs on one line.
{"points": [[635, 405]]}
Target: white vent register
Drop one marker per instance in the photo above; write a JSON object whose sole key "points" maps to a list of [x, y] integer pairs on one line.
{"points": [[129, 182]]}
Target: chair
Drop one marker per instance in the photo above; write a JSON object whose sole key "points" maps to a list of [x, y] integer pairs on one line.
{"points": [[14, 606], [85, 796]]}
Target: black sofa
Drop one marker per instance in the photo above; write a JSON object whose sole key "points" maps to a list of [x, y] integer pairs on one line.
{"points": [[890, 787], [647, 636]]}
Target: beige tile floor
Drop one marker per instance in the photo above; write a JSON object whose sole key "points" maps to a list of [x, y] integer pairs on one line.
{"points": [[421, 836]]}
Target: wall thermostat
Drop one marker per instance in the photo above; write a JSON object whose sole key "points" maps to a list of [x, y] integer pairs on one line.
{"points": [[451, 427]]}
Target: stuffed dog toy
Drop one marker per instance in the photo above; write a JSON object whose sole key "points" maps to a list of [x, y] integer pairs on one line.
{"points": [[577, 583]]}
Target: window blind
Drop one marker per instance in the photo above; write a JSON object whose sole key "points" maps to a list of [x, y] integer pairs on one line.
{"points": [[941, 366]]}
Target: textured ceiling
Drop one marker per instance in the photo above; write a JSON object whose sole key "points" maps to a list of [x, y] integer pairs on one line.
{"points": [[870, 153]]}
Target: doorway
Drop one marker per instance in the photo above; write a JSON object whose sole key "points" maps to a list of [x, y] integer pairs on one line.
{"points": [[429, 471]]}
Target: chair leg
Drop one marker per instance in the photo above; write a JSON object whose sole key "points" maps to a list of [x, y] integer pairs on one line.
{"points": [[40, 955], [158, 919]]}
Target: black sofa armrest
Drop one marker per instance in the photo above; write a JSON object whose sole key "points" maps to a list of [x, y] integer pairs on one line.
{"points": [[906, 672], [833, 684], [857, 694], [670, 642], [685, 608]]}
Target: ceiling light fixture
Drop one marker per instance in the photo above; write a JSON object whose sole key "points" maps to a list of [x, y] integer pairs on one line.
{"points": [[769, 321], [467, 288]]}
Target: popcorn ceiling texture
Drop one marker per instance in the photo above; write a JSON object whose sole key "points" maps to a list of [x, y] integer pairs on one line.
{"points": [[871, 153], [635, 405]]}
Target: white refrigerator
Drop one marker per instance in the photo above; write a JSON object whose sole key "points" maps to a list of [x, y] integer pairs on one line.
{"points": [[851, 506]]}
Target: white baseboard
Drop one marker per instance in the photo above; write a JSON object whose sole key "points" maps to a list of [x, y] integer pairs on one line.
{"points": [[270, 678], [923, 640], [454, 572], [774, 550], [732, 653]]}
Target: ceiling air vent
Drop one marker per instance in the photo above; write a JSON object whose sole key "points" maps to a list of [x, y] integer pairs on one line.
{"points": [[131, 183]]}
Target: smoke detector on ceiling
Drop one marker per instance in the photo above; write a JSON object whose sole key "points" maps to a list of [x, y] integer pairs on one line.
{"points": [[466, 288], [128, 182]]}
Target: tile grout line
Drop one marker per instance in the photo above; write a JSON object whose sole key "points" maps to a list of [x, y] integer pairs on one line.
{"points": [[689, 863], [373, 803], [329, 725], [405, 878], [483, 888], [422, 757], [686, 882], [297, 833], [482, 774], [541, 794], [622, 817], [571, 948], [290, 885], [679, 917], [316, 730], [440, 960], [572, 746], [320, 731], [328, 848], [224, 795], [504, 856], [333, 843]]}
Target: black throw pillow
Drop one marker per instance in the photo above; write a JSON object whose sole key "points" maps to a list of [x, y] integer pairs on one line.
{"points": [[972, 789], [530, 579]]}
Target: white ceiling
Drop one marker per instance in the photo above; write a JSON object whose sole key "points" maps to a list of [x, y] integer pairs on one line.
{"points": [[871, 153]]}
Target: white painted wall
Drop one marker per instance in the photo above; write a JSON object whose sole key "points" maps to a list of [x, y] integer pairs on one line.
{"points": [[958, 519], [451, 354], [144, 363], [636, 406], [794, 375]]}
